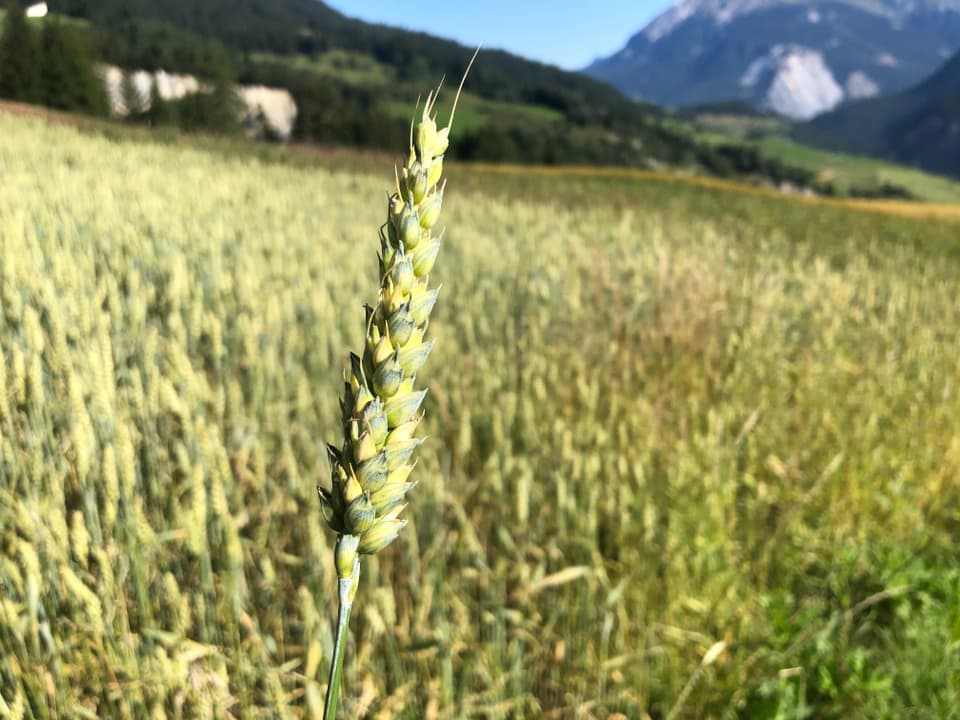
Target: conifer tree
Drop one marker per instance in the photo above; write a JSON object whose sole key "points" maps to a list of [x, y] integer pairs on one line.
{"points": [[19, 57], [68, 79]]}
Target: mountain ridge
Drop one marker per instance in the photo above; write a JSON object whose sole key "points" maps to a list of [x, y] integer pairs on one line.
{"points": [[796, 57]]}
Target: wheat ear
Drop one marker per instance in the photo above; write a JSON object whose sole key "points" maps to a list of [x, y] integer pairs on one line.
{"points": [[381, 405]]}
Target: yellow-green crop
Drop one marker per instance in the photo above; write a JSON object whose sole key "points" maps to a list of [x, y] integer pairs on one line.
{"points": [[661, 417]]}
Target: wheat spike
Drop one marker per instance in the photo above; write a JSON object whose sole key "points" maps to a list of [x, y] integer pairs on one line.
{"points": [[381, 405]]}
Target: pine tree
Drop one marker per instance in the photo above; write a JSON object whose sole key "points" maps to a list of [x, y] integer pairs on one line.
{"points": [[68, 79], [217, 109], [56, 82], [225, 106], [19, 57]]}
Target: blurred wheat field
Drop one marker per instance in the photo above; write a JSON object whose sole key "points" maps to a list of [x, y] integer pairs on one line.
{"points": [[660, 417]]}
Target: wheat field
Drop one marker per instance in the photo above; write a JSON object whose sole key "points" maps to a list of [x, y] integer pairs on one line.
{"points": [[691, 453]]}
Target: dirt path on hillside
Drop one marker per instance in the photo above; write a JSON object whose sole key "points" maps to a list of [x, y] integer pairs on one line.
{"points": [[18, 109]]}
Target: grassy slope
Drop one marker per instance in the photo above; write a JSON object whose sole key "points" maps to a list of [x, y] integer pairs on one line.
{"points": [[737, 125], [352, 67], [363, 70], [846, 170], [841, 169], [661, 416], [474, 112]]}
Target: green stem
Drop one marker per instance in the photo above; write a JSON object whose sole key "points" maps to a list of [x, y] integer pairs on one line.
{"points": [[347, 593]]}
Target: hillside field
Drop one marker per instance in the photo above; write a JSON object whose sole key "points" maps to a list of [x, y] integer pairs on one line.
{"points": [[693, 450], [850, 171], [847, 174]]}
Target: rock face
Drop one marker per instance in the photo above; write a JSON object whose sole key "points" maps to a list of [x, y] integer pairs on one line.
{"points": [[797, 80], [169, 85], [274, 107], [796, 57], [859, 86]]}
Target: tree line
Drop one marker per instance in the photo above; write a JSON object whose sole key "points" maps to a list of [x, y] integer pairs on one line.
{"points": [[53, 67]]}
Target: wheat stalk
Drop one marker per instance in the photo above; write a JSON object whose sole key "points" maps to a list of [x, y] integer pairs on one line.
{"points": [[381, 405]]}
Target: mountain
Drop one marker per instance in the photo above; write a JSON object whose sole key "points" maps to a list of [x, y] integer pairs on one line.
{"points": [[919, 127], [796, 57]]}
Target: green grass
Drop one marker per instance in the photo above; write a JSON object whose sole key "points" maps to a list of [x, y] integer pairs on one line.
{"points": [[661, 416], [846, 170], [728, 126], [842, 170], [362, 70], [474, 112], [345, 66]]}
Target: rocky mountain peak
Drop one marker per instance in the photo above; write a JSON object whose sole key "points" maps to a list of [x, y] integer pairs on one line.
{"points": [[796, 57]]}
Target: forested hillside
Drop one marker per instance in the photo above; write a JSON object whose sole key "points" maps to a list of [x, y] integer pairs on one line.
{"points": [[51, 64], [351, 80]]}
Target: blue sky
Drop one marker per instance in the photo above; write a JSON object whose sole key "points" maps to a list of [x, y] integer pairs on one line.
{"points": [[565, 33]]}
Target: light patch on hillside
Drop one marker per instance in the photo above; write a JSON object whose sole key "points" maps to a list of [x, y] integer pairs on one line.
{"points": [[277, 105], [667, 22], [720, 11], [860, 85], [273, 105], [170, 86], [799, 82], [803, 86]]}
